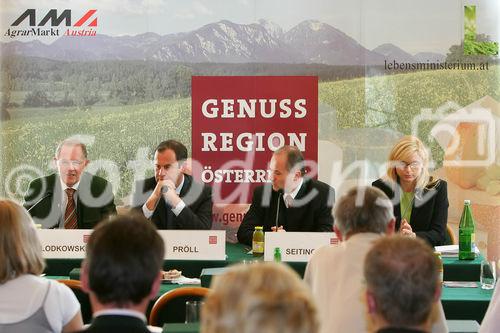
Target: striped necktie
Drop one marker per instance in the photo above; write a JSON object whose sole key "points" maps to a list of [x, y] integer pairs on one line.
{"points": [[70, 221], [288, 200]]}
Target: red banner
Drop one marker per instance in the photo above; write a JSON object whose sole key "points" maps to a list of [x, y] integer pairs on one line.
{"points": [[239, 121]]}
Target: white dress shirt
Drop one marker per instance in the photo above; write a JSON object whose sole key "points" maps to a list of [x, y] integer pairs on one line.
{"points": [[176, 210], [290, 196]]}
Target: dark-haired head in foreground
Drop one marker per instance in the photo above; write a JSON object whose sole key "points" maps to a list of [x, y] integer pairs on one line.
{"points": [[122, 269], [402, 284]]}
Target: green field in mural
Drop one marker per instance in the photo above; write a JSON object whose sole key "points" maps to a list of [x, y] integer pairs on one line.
{"points": [[118, 134], [392, 102], [130, 132]]}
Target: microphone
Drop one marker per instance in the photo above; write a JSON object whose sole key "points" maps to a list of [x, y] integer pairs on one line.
{"points": [[280, 193], [46, 195]]}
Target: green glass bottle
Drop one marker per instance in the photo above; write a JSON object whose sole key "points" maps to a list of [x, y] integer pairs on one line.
{"points": [[258, 242], [466, 234], [277, 254]]}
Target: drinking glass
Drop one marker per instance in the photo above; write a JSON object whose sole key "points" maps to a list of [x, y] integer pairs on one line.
{"points": [[193, 309], [488, 274]]}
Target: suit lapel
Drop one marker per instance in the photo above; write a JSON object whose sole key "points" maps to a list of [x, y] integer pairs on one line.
{"points": [[294, 214], [186, 186], [85, 180], [394, 194], [418, 204], [57, 200], [169, 216]]}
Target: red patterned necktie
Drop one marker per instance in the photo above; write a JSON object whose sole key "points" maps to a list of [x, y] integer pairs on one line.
{"points": [[70, 221]]}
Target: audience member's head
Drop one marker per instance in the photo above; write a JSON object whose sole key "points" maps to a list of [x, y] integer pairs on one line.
{"points": [[123, 265], [402, 281], [20, 249], [287, 168], [363, 209], [262, 297]]}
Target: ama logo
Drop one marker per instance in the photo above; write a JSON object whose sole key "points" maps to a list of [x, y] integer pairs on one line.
{"points": [[85, 25]]}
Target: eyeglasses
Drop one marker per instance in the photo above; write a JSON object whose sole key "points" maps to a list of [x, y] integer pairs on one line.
{"points": [[66, 163], [413, 165]]}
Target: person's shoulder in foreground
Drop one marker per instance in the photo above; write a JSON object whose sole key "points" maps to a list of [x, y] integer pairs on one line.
{"points": [[491, 321], [28, 302], [362, 215]]}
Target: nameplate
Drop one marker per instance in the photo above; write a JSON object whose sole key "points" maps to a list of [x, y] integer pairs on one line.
{"points": [[63, 244], [194, 244], [296, 246]]}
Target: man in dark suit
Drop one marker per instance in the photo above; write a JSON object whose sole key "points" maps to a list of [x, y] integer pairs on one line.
{"points": [[172, 199], [304, 204], [122, 273], [71, 198]]}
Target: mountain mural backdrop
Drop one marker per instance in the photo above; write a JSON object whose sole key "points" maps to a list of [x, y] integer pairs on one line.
{"points": [[223, 42]]}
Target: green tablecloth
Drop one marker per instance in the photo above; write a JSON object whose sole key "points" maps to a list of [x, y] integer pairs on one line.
{"points": [[455, 326], [462, 270], [181, 328], [465, 303], [460, 307], [458, 303], [454, 269]]}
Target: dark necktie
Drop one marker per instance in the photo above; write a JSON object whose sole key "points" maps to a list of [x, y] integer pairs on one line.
{"points": [[70, 221]]}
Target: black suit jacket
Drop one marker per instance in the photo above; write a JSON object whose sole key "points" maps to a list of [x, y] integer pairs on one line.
{"points": [[196, 215], [313, 215], [95, 201], [429, 214], [116, 324]]}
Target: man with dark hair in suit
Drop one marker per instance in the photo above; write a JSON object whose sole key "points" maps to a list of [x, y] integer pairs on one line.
{"points": [[172, 199], [122, 273], [304, 204], [70, 198]]}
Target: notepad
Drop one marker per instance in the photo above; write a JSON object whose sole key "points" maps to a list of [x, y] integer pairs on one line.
{"points": [[451, 250]]}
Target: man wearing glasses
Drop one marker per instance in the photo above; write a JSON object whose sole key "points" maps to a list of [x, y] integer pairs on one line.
{"points": [[70, 198]]}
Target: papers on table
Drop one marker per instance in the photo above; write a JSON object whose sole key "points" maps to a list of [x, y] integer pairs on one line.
{"points": [[460, 284], [451, 250], [182, 280]]}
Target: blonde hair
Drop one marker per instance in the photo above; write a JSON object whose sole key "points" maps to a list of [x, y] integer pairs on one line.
{"points": [[261, 297], [20, 249], [402, 150]]}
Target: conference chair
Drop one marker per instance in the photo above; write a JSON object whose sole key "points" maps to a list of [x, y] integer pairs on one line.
{"points": [[83, 298], [450, 236], [170, 307]]}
